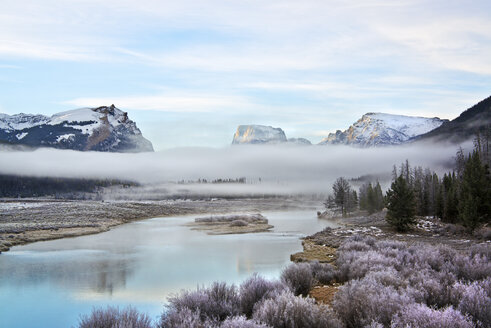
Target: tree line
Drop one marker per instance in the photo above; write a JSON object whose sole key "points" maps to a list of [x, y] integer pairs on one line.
{"points": [[24, 186], [461, 196]]}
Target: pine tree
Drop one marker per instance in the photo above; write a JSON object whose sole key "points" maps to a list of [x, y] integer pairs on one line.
{"points": [[343, 196], [379, 197], [475, 192], [363, 201], [450, 198], [400, 205], [370, 199]]}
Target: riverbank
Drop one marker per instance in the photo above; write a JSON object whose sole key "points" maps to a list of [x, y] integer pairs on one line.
{"points": [[322, 246], [25, 221]]}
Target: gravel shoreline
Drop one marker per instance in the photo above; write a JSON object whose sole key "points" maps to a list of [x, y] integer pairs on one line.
{"points": [[322, 245], [25, 221]]}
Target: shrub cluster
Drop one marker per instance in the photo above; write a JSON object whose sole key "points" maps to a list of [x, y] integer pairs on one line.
{"points": [[386, 284], [257, 303], [112, 317], [392, 283]]}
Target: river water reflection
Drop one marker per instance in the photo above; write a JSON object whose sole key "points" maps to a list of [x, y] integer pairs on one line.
{"points": [[48, 284]]}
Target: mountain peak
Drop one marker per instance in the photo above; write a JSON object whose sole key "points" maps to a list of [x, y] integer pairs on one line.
{"points": [[377, 129], [258, 134], [104, 128]]}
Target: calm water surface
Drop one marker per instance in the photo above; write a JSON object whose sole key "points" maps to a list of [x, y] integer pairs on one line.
{"points": [[48, 284]]}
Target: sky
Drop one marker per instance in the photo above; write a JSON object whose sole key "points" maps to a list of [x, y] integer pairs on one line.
{"points": [[188, 72]]}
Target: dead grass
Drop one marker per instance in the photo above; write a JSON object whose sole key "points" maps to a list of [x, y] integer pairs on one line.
{"points": [[324, 294], [314, 252]]}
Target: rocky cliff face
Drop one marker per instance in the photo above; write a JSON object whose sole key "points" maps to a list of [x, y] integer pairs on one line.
{"points": [[258, 134], [262, 134], [378, 129], [105, 128]]}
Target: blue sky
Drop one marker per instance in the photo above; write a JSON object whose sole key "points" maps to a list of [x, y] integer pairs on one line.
{"points": [[188, 72]]}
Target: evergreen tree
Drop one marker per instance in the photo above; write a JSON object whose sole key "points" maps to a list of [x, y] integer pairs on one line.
{"points": [[400, 205], [450, 198], [475, 192], [371, 199], [378, 197], [363, 201], [344, 197]]}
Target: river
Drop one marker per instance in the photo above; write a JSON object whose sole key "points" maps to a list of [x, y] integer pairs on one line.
{"points": [[49, 284]]}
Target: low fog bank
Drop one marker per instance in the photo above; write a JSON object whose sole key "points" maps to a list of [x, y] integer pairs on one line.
{"points": [[266, 169]]}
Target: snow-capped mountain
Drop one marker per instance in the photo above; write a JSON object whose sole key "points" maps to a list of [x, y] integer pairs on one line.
{"points": [[378, 129], [258, 134], [105, 128], [262, 134]]}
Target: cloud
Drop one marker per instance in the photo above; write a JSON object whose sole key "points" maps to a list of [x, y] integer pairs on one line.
{"points": [[263, 36], [166, 103]]}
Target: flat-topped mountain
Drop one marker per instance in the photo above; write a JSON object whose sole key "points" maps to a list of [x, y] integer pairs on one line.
{"points": [[262, 134], [105, 128], [379, 129]]}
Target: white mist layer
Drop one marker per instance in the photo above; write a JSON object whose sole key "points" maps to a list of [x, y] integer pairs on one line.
{"points": [[287, 168]]}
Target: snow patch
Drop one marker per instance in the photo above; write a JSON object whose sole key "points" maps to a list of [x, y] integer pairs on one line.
{"points": [[21, 135], [64, 137]]}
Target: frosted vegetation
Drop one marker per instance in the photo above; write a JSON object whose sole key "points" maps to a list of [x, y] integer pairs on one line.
{"points": [[384, 284]]}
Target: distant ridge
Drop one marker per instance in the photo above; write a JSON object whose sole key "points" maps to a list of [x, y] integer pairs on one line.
{"points": [[477, 118]]}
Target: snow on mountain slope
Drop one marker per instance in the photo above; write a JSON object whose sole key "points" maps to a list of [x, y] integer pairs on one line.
{"points": [[100, 129], [377, 129]]}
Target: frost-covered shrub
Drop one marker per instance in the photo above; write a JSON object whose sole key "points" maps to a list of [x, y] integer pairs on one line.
{"points": [[255, 289], [391, 244], [421, 316], [184, 318], [359, 302], [355, 265], [436, 258], [217, 302], [355, 245], [389, 277], [483, 233], [358, 243], [239, 223], [434, 288], [474, 267], [113, 317], [324, 273], [298, 276], [476, 301], [241, 322], [481, 249], [486, 285], [374, 324], [287, 310], [381, 274]]}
